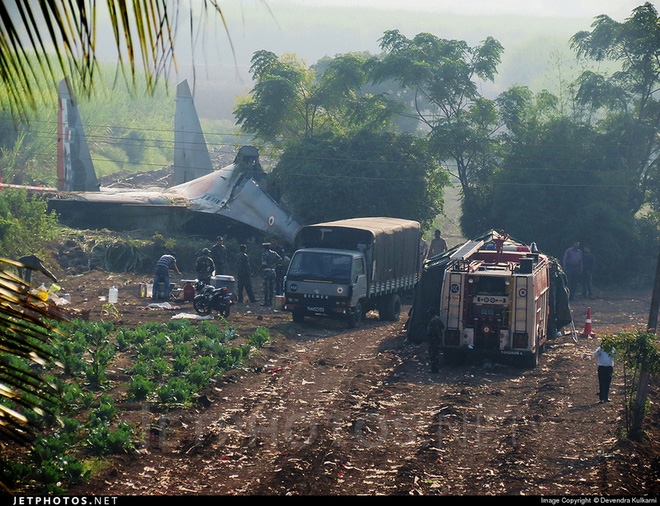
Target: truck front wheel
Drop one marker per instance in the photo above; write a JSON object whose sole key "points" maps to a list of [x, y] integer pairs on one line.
{"points": [[355, 316], [298, 316]]}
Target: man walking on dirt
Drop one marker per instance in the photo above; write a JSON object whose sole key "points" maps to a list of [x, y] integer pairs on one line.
{"points": [[434, 334]]}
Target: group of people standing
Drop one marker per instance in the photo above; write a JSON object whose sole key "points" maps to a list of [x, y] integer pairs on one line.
{"points": [[214, 261], [579, 265]]}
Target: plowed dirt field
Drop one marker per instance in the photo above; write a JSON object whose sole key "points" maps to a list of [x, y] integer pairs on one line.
{"points": [[323, 410]]}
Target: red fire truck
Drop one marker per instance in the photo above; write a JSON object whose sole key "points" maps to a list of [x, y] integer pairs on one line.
{"points": [[495, 300]]}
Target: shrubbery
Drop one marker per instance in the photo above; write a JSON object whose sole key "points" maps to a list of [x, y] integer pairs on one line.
{"points": [[25, 224]]}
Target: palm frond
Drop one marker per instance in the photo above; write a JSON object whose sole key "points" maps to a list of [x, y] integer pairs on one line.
{"points": [[144, 32], [25, 335]]}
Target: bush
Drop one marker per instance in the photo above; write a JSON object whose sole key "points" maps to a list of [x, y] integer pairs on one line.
{"points": [[25, 224]]}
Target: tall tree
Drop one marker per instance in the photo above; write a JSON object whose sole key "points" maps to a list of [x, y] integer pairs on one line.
{"points": [[290, 100], [444, 74], [627, 97]]}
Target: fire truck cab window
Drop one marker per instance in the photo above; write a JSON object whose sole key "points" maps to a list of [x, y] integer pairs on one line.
{"points": [[490, 285]]}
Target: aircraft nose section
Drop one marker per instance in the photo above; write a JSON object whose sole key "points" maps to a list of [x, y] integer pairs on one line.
{"points": [[250, 205]]}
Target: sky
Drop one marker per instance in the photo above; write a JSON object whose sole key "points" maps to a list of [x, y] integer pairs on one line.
{"points": [[313, 29], [617, 9]]}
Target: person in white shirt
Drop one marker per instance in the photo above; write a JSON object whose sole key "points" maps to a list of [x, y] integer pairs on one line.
{"points": [[605, 370]]}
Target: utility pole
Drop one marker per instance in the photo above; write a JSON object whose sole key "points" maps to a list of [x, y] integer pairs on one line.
{"points": [[644, 373]]}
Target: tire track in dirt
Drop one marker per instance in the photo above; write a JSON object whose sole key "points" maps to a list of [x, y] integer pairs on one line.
{"points": [[298, 420], [326, 411]]}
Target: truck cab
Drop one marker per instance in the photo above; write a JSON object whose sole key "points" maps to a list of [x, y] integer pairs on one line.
{"points": [[324, 281]]}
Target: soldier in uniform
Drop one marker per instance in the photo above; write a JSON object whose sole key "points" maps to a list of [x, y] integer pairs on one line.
{"points": [[269, 260], [219, 256], [280, 268], [244, 275], [205, 266], [434, 336]]}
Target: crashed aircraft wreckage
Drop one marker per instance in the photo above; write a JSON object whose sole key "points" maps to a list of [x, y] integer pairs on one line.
{"points": [[232, 193]]}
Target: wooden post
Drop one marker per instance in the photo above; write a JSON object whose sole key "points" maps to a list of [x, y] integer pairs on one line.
{"points": [[644, 374]]}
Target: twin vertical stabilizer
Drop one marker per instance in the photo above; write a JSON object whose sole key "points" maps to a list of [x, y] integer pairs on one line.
{"points": [[75, 171], [191, 156]]}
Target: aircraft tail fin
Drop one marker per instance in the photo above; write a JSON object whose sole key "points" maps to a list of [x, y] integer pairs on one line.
{"points": [[75, 171], [191, 156]]}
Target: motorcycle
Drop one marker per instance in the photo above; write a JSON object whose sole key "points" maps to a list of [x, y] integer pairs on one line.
{"points": [[209, 298]]}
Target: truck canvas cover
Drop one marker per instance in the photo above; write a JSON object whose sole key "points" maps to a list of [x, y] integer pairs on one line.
{"points": [[390, 245], [429, 289]]}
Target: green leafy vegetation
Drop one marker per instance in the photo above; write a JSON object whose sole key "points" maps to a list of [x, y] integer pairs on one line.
{"points": [[25, 224], [170, 364], [638, 351]]}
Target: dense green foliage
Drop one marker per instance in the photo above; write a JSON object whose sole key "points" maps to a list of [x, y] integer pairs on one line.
{"points": [[327, 177], [290, 100], [578, 164], [443, 75], [626, 99], [555, 181], [25, 224]]}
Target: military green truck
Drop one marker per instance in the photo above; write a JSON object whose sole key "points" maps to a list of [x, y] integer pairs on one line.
{"points": [[343, 269]]}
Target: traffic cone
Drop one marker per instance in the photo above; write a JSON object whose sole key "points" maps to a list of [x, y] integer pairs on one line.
{"points": [[587, 332]]}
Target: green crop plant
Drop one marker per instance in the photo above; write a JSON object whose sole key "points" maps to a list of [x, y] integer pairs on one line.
{"points": [[259, 337], [198, 376], [149, 351], [106, 410], [140, 368], [104, 441], [160, 368], [122, 339], [176, 390], [140, 388], [160, 339], [181, 364], [207, 363]]}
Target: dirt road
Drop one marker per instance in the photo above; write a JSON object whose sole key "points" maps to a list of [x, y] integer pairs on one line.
{"points": [[327, 411]]}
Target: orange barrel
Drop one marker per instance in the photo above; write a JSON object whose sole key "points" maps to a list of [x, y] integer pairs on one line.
{"points": [[188, 292]]}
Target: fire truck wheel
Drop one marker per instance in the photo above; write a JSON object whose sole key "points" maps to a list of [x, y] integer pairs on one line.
{"points": [[390, 309], [532, 360]]}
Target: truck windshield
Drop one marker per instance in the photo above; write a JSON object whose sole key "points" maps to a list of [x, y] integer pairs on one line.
{"points": [[320, 266]]}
